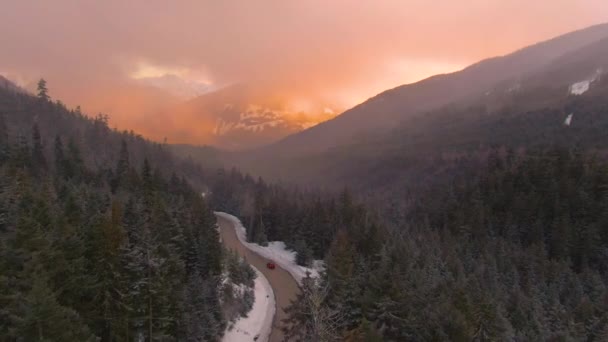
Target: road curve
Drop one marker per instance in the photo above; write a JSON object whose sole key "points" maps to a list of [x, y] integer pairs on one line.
{"points": [[284, 286]]}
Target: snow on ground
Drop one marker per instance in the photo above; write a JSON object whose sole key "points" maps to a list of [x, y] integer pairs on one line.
{"points": [[568, 120], [276, 251], [582, 87], [258, 322]]}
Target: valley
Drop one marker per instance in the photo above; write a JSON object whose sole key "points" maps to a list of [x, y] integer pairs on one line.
{"points": [[284, 286], [304, 171]]}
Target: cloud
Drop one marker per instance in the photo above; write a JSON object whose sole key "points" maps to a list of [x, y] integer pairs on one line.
{"points": [[315, 50]]}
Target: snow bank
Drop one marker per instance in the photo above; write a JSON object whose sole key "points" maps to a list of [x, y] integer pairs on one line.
{"points": [[259, 320], [276, 251]]}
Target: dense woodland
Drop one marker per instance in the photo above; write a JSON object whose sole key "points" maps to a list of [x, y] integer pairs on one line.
{"points": [[306, 220], [503, 235], [105, 235], [515, 250], [101, 236]]}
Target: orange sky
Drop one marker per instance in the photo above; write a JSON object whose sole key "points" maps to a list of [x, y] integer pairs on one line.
{"points": [[312, 51]]}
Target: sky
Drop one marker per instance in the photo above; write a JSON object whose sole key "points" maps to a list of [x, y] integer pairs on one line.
{"points": [[95, 53]]}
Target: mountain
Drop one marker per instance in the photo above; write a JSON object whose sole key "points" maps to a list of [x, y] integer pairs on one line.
{"points": [[235, 117], [393, 106], [419, 121]]}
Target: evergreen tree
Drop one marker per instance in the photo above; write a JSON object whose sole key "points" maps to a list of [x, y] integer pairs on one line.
{"points": [[309, 316], [122, 167], [4, 142], [43, 92], [38, 158]]}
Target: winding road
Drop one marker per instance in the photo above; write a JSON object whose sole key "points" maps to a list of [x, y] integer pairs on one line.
{"points": [[284, 286]]}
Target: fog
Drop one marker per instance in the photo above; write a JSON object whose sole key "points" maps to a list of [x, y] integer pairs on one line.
{"points": [[338, 51]]}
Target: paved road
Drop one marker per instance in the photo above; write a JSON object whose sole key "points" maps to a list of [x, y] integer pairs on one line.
{"points": [[284, 286]]}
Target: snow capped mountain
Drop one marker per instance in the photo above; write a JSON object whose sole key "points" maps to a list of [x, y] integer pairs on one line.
{"points": [[248, 125], [237, 117], [255, 118]]}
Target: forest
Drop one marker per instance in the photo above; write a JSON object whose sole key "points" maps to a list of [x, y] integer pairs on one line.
{"points": [[508, 241], [105, 235], [515, 250], [101, 235]]}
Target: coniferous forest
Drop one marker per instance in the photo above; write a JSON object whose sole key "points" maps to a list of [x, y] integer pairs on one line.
{"points": [[515, 250], [96, 244], [105, 236]]}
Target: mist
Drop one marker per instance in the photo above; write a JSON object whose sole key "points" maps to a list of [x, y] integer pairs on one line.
{"points": [[340, 52]]}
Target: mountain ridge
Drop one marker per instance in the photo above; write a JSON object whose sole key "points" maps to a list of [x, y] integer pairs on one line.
{"points": [[546, 87], [328, 134]]}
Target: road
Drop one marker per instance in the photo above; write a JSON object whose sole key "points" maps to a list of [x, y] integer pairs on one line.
{"points": [[284, 286]]}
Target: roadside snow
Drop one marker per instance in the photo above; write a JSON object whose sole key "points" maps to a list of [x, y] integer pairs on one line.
{"points": [[276, 251], [258, 322]]}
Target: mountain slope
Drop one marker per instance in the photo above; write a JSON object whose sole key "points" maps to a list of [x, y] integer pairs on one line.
{"points": [[9, 86], [101, 236], [390, 107], [418, 121], [235, 117]]}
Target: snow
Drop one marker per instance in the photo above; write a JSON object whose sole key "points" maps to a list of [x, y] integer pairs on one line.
{"points": [[568, 120], [258, 322], [582, 87], [254, 119], [275, 251]]}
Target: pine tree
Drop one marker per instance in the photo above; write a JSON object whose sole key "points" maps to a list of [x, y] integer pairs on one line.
{"points": [[43, 92], [4, 142], [304, 255], [59, 157], [74, 165], [309, 318], [122, 167], [45, 319], [38, 158]]}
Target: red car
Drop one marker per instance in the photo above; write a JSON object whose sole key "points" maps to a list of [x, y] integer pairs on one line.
{"points": [[270, 265]]}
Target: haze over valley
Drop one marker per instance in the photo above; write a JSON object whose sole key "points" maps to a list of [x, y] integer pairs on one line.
{"points": [[304, 171]]}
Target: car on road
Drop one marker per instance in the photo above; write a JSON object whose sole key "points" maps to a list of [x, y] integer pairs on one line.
{"points": [[270, 265]]}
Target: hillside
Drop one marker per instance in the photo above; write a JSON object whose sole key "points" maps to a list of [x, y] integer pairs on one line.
{"points": [[511, 248], [101, 235], [9, 86], [391, 107], [529, 109]]}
